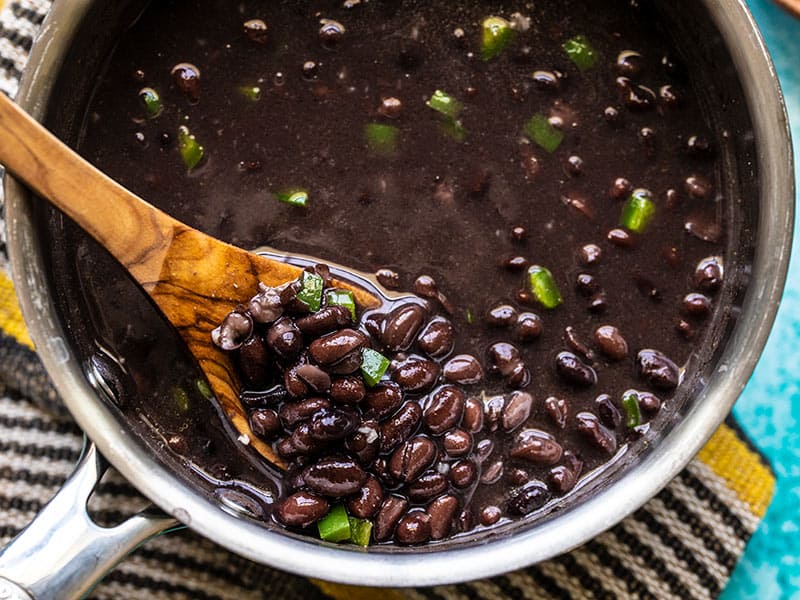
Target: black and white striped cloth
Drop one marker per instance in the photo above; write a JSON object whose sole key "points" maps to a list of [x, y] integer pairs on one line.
{"points": [[683, 544]]}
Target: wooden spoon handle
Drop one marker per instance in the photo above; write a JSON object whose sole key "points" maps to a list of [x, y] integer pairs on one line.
{"points": [[792, 6], [118, 219]]}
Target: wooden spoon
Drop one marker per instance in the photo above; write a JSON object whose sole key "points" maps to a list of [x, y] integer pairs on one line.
{"points": [[193, 278]]}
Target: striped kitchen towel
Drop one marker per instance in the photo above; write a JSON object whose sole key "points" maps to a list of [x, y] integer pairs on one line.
{"points": [[682, 544]]}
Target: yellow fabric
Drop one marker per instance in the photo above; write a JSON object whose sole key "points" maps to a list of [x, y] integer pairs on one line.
{"points": [[10, 317], [741, 468], [353, 592]]}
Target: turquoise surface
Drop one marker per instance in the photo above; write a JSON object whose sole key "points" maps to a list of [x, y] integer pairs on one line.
{"points": [[769, 409]]}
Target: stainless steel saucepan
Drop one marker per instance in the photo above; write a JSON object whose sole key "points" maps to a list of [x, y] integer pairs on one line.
{"points": [[62, 554]]}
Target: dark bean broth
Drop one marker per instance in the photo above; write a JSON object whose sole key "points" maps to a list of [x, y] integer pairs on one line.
{"points": [[436, 206]]}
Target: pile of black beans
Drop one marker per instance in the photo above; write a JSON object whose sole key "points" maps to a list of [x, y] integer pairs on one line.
{"points": [[419, 452]]}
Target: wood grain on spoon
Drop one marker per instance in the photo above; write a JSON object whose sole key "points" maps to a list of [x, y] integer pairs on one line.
{"points": [[791, 5], [194, 279]]}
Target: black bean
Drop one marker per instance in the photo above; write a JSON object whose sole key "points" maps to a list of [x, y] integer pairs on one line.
{"points": [[411, 458], [465, 520], [234, 330], [639, 97], [629, 63], [336, 346], [310, 70], [457, 442], [611, 115], [694, 304], [402, 325], [253, 361], [698, 187], [186, 77], [516, 476], [388, 278], [527, 498], [429, 485], [502, 315], [558, 409], [594, 431], [325, 320], [607, 411], [256, 30], [514, 264], [366, 502], [285, 339], [295, 387], [574, 371], [442, 511], [413, 528], [437, 339], [392, 508], [519, 234], [648, 402], [365, 442], [490, 515], [383, 399], [335, 477], [610, 342], [574, 165], [492, 411], [317, 379], [350, 363], [516, 411], [492, 473], [463, 473], [621, 238], [265, 423], [536, 446], [292, 413], [598, 303], [546, 80], [301, 509], [590, 254], [574, 341], [444, 409], [426, 286], [708, 274], [529, 327], [347, 390], [332, 424], [473, 415], [463, 369], [669, 95], [658, 370], [586, 284], [390, 107], [400, 426], [503, 357], [484, 449], [416, 374], [265, 307], [564, 477], [331, 33]]}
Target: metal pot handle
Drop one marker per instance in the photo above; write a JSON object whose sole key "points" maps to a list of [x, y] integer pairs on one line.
{"points": [[62, 554]]}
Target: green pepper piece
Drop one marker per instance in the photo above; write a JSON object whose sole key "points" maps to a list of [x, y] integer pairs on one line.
{"points": [[381, 139], [373, 366], [180, 398], [469, 316], [539, 130], [342, 298], [638, 210], [454, 129], [580, 52], [152, 102], [191, 151], [311, 291], [630, 402], [293, 197], [496, 35], [360, 531], [543, 286], [251, 92], [204, 389], [446, 104], [335, 526]]}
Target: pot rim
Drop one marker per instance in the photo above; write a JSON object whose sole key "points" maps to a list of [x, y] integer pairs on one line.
{"points": [[575, 525]]}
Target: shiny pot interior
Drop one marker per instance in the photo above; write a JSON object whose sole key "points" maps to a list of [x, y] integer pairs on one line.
{"points": [[65, 63]]}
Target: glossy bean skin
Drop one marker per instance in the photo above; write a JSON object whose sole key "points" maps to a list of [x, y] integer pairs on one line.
{"points": [[301, 509], [366, 502], [401, 327], [333, 347], [444, 410], [442, 512], [335, 477], [391, 510]]}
